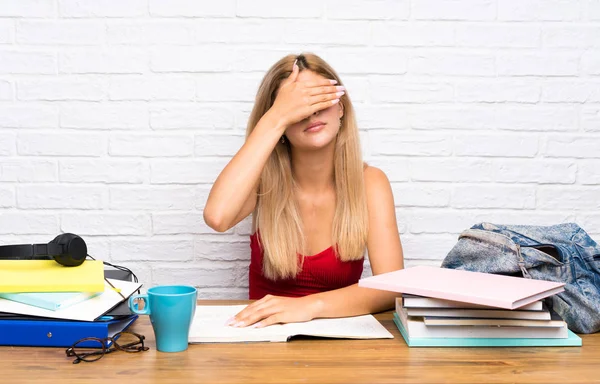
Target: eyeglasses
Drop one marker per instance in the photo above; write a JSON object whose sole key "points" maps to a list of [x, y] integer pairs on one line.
{"points": [[92, 349]]}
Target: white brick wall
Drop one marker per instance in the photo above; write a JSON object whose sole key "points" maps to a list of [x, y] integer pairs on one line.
{"points": [[116, 117]]}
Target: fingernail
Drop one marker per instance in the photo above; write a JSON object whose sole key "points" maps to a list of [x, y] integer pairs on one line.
{"points": [[295, 63], [335, 101], [258, 325], [333, 81], [340, 94], [230, 321], [239, 324], [340, 88]]}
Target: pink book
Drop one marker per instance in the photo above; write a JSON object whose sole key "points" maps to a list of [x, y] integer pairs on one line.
{"points": [[465, 286]]}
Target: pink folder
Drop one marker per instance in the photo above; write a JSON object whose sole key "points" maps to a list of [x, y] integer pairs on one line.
{"points": [[465, 286]]}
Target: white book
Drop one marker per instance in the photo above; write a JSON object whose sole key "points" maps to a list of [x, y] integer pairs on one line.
{"points": [[443, 321], [416, 327], [477, 313], [209, 326], [413, 301]]}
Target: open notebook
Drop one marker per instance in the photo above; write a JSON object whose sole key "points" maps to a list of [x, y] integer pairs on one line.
{"points": [[209, 327]]}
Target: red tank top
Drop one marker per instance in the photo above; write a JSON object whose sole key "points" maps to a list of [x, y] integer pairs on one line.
{"points": [[321, 272]]}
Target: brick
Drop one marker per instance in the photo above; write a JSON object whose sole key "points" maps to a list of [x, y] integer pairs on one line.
{"points": [[275, 9], [590, 119], [571, 36], [537, 118], [420, 195], [103, 171], [413, 34], [108, 60], [505, 145], [152, 249], [221, 250], [190, 116], [153, 32], [197, 59], [180, 223], [334, 32], [244, 227], [397, 90], [357, 88], [186, 171], [8, 144], [26, 223], [28, 8], [400, 143], [497, 91], [28, 170], [396, 168], [444, 117], [588, 172], [497, 36], [590, 62], [150, 88], [439, 221], [452, 64], [573, 146], [216, 144], [192, 8], [153, 145], [566, 91], [375, 116], [451, 170], [56, 196], [591, 10], [106, 223], [590, 223], [27, 62], [532, 10], [238, 31], [7, 197], [99, 248], [7, 28], [227, 87], [535, 171], [521, 217], [62, 88], [428, 247], [17, 115], [538, 64], [494, 196], [201, 196], [105, 8], [59, 144], [105, 116], [368, 61], [256, 59], [221, 293], [6, 90], [372, 10], [207, 274], [156, 198], [471, 10], [568, 198], [64, 32]]}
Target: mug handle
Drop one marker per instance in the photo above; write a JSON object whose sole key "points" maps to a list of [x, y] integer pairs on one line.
{"points": [[134, 306]]}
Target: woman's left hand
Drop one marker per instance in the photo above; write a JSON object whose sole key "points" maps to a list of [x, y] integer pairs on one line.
{"points": [[276, 309]]}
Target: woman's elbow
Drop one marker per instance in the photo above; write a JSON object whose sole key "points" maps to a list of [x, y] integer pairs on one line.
{"points": [[215, 221]]}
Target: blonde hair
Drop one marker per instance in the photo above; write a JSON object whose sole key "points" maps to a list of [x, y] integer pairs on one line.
{"points": [[276, 215]]}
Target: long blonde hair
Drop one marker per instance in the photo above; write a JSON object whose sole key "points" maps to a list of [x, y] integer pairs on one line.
{"points": [[276, 215]]}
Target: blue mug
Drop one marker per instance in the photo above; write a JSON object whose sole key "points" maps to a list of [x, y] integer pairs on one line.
{"points": [[171, 309]]}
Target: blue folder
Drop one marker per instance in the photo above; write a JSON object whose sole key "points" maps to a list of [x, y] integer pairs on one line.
{"points": [[59, 333]]}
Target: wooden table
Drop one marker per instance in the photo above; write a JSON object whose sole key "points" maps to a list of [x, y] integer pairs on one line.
{"points": [[309, 361]]}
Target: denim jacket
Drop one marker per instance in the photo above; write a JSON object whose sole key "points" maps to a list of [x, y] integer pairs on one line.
{"points": [[563, 253]]}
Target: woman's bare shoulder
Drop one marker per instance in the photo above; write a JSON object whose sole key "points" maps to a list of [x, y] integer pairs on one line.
{"points": [[375, 177]]}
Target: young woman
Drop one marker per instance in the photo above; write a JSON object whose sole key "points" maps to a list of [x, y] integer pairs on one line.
{"points": [[316, 206]]}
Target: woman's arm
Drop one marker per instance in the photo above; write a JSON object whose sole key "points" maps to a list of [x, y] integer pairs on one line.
{"points": [[233, 195], [385, 255]]}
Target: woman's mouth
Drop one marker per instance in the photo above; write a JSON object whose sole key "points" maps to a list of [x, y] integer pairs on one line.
{"points": [[315, 126]]}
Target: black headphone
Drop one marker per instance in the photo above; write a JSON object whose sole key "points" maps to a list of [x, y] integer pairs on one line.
{"points": [[67, 249]]}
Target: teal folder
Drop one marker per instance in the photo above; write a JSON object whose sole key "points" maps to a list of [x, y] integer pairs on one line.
{"points": [[572, 341], [49, 300]]}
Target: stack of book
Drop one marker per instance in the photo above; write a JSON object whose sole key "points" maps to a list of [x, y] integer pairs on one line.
{"points": [[45, 304], [445, 307]]}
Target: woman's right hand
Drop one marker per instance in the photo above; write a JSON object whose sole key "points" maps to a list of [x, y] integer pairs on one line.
{"points": [[298, 100]]}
